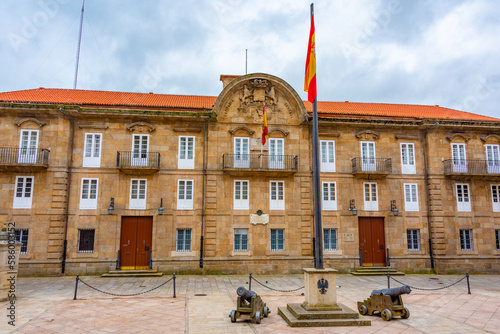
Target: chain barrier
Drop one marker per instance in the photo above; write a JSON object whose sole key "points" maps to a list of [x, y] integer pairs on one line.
{"points": [[256, 280], [431, 289]]}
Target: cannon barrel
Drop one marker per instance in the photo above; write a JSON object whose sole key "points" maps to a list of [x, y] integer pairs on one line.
{"points": [[394, 292], [246, 294]]}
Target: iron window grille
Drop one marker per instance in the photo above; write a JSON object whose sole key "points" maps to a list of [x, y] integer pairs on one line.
{"points": [[277, 240], [466, 240], [330, 238], [184, 240], [240, 239], [413, 238], [86, 240], [22, 236]]}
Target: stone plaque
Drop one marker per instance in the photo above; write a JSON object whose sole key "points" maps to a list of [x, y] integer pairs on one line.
{"points": [[348, 237], [256, 144], [262, 219]]}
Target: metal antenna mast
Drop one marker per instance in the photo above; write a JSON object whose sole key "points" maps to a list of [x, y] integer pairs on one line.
{"points": [[79, 43], [246, 61]]}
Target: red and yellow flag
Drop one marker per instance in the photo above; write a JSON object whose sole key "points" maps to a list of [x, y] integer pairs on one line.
{"points": [[310, 78], [265, 130]]}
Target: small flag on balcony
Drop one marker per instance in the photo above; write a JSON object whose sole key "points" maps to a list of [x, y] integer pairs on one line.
{"points": [[265, 130]]}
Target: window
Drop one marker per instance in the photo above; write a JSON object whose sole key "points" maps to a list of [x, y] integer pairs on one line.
{"points": [[458, 158], [463, 197], [495, 193], [493, 158], [138, 194], [276, 153], [411, 197], [327, 155], [28, 145], [371, 202], [413, 238], [277, 240], [277, 195], [22, 236], [240, 239], [185, 195], [86, 241], [241, 152], [330, 238], [88, 199], [241, 201], [186, 152], [140, 146], [368, 162], [497, 235], [466, 239], [329, 196], [23, 193], [184, 240], [92, 150], [408, 158]]}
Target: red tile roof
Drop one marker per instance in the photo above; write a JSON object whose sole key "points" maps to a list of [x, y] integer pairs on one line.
{"points": [[150, 100]]}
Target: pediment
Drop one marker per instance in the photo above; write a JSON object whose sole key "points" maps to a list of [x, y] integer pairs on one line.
{"points": [[491, 138], [458, 137], [368, 135], [29, 120], [141, 127]]}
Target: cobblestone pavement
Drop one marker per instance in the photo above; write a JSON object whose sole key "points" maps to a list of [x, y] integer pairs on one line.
{"points": [[203, 303]]}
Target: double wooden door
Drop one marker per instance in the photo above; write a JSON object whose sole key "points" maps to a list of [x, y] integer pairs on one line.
{"points": [[135, 242], [372, 241]]}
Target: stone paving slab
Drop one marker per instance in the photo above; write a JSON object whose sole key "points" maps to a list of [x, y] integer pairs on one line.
{"points": [[203, 303]]}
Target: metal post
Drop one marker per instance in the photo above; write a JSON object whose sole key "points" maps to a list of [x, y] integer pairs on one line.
{"points": [[468, 283], [250, 282], [118, 261], [388, 280], [150, 259], [174, 287], [388, 258], [360, 257], [76, 286]]}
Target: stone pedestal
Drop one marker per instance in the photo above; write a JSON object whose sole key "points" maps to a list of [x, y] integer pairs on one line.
{"points": [[8, 266], [321, 287]]}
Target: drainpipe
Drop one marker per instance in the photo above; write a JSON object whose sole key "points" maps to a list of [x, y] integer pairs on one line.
{"points": [[426, 175], [65, 246], [203, 193]]}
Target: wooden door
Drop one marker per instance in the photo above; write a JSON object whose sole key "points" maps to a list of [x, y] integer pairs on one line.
{"points": [[372, 241], [135, 242]]}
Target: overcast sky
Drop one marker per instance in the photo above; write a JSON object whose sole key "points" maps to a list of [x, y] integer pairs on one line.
{"points": [[430, 52]]}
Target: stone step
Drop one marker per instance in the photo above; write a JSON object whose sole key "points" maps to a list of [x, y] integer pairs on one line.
{"points": [[376, 271], [294, 322], [343, 313], [132, 273]]}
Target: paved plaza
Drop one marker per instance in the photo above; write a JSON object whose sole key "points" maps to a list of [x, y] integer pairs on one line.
{"points": [[203, 303]]}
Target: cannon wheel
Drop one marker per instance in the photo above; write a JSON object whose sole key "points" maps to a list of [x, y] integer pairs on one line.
{"points": [[265, 311], [406, 313], [386, 314], [233, 316], [362, 310], [257, 317]]}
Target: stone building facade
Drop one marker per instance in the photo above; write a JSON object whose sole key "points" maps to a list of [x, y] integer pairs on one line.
{"points": [[101, 180]]}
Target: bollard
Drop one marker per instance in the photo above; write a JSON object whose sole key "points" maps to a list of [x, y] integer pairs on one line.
{"points": [[468, 284], [174, 286], [250, 282], [388, 280], [76, 286]]}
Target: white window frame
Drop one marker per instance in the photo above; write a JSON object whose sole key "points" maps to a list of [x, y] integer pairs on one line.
{"points": [[138, 198], [240, 240], [88, 198], [462, 192], [24, 198], [22, 235], [276, 153], [184, 196], [330, 239], [186, 244], [187, 145], [411, 235], [28, 149], [495, 197], [327, 159], [329, 198], [459, 157], [241, 195], [493, 158], [275, 235], [241, 152], [368, 160], [92, 150], [370, 196], [140, 154], [411, 196], [276, 200], [408, 163], [466, 241]]}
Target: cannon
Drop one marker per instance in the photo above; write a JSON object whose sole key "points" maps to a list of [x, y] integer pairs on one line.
{"points": [[386, 302], [249, 305]]}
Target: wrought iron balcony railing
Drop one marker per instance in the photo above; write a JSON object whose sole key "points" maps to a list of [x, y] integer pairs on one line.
{"points": [[363, 165], [260, 162], [127, 159], [13, 156], [471, 167]]}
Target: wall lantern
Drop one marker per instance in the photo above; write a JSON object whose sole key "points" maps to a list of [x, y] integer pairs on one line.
{"points": [[394, 209], [111, 206], [352, 207], [160, 209]]}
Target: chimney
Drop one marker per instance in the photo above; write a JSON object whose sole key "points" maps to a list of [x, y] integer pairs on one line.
{"points": [[227, 79]]}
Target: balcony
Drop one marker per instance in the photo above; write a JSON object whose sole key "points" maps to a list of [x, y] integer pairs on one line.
{"points": [[138, 163], [272, 165], [15, 159], [465, 169], [371, 167]]}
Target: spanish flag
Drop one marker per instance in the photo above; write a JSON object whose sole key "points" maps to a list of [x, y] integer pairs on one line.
{"points": [[265, 130], [310, 78]]}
